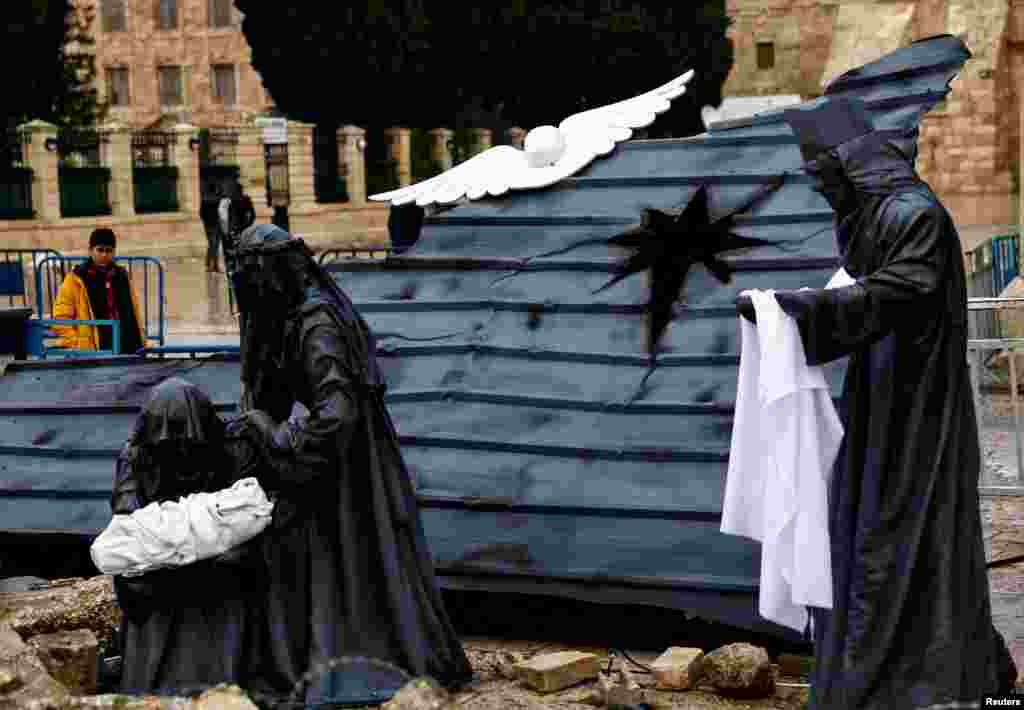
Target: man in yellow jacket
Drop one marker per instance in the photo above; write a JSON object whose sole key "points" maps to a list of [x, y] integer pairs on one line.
{"points": [[98, 289]]}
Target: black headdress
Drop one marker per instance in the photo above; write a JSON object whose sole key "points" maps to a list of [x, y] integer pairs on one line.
{"points": [[828, 122]]}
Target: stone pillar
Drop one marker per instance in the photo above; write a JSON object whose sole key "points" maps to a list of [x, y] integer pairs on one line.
{"points": [[352, 162], [301, 191], [400, 149], [517, 136], [45, 179], [187, 162], [252, 165], [116, 154], [482, 140], [439, 149]]}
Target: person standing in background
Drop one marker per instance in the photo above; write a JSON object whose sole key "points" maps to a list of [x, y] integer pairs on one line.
{"points": [[211, 225], [99, 289]]}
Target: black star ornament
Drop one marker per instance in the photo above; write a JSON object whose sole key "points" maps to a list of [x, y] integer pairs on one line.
{"points": [[668, 244]]}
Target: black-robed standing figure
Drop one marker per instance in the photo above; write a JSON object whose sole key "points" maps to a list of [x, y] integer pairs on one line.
{"points": [[911, 622], [349, 569], [186, 628]]}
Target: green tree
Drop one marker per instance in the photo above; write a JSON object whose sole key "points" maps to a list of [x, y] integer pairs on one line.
{"points": [[431, 63], [46, 46]]}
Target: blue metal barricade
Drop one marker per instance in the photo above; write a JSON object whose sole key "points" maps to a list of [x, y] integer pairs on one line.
{"points": [[39, 332], [151, 299], [1005, 254], [19, 270]]}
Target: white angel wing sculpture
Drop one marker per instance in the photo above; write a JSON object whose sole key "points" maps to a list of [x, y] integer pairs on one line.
{"points": [[549, 154]]}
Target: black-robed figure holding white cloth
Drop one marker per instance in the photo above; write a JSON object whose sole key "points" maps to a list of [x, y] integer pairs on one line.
{"points": [[911, 622]]}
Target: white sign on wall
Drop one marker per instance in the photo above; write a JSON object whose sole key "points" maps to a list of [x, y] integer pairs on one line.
{"points": [[275, 130]]}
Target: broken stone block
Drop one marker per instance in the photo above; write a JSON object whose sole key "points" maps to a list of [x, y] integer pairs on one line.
{"points": [[678, 668], [554, 671], [26, 682], [9, 680], [740, 670], [225, 696], [70, 657], [419, 694], [85, 604]]}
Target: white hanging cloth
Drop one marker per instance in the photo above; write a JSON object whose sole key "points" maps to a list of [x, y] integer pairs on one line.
{"points": [[785, 438]]}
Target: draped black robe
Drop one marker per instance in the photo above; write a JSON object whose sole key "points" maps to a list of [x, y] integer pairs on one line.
{"points": [[350, 574], [911, 621]]}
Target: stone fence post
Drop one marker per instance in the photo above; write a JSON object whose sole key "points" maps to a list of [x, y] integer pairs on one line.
{"points": [[352, 162], [116, 154], [252, 165], [482, 140], [45, 179], [301, 190], [439, 149], [400, 149], [517, 136], [187, 162]]}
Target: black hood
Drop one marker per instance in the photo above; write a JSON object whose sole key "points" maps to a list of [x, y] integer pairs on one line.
{"points": [[876, 165], [876, 168], [178, 411], [176, 447], [276, 280]]}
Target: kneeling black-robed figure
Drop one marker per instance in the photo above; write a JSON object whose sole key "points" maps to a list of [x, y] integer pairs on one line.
{"points": [[349, 573], [186, 628]]}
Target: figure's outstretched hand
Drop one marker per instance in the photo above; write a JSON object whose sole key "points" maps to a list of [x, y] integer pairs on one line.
{"points": [[745, 307], [797, 303]]}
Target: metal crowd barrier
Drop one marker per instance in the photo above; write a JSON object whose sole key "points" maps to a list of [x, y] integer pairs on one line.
{"points": [[151, 296], [19, 269], [983, 356]]}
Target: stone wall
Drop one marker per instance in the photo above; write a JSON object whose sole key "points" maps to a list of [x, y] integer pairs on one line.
{"points": [[177, 234], [970, 147]]}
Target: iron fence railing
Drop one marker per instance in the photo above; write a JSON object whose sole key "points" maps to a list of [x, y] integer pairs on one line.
{"points": [[153, 148], [15, 176], [84, 180], [154, 175], [80, 147], [218, 146]]}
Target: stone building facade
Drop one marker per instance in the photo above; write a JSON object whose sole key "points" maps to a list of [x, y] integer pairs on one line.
{"points": [[970, 147], [162, 62]]}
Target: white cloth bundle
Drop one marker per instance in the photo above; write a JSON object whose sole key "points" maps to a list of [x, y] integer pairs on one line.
{"points": [[785, 437], [176, 533]]}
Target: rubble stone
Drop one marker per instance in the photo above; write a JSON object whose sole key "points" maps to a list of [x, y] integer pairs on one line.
{"points": [[9, 680], [740, 670], [27, 683], [85, 604], [419, 694], [225, 696], [70, 657], [130, 702], [555, 671], [678, 668]]}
